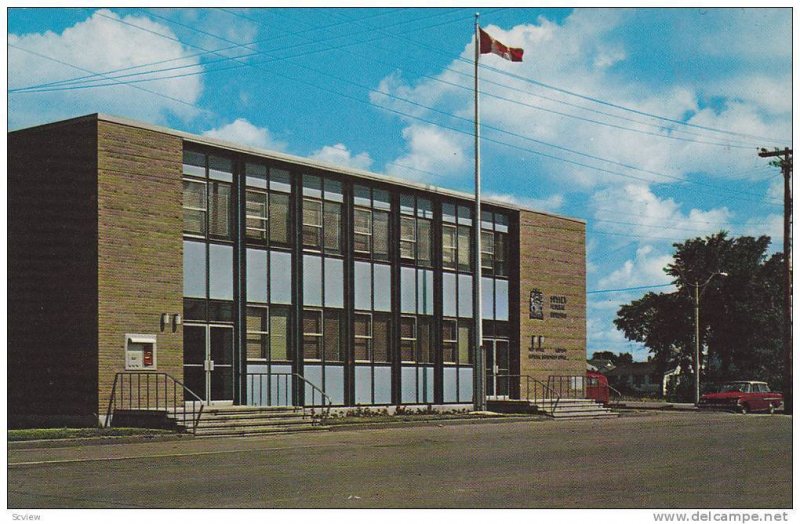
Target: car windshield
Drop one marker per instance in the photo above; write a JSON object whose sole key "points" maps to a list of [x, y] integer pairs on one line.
{"points": [[734, 387]]}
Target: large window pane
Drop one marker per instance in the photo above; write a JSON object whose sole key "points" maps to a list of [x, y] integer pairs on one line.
{"points": [[383, 300], [501, 299], [487, 252], [257, 332], [194, 163], [408, 290], [194, 207], [220, 168], [425, 291], [333, 227], [255, 175], [280, 282], [464, 295], [220, 210], [334, 283], [194, 269], [363, 285], [487, 298], [279, 219], [424, 345], [256, 275], [450, 306], [220, 272], [500, 255], [408, 338], [312, 280]]}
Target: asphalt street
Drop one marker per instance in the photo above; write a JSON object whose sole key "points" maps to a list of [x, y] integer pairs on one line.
{"points": [[652, 460]]}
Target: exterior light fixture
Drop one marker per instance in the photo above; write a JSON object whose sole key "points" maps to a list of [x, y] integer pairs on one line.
{"points": [[176, 321], [164, 320]]}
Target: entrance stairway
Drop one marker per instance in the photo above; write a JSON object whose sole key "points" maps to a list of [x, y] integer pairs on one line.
{"points": [[564, 408], [247, 421]]}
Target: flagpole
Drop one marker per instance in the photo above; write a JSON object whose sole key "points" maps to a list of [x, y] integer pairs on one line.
{"points": [[480, 359]]}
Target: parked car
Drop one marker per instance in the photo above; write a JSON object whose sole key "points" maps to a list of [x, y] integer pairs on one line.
{"points": [[743, 396]]}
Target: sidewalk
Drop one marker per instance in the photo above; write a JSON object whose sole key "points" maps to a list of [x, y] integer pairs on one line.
{"points": [[654, 404]]}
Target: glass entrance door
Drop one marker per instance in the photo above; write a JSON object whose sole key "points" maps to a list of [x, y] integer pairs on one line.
{"points": [[497, 369], [208, 361]]}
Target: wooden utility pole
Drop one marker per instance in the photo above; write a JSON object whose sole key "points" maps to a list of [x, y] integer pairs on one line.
{"points": [[786, 167]]}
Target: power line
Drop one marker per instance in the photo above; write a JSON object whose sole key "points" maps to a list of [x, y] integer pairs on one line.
{"points": [[620, 290]]}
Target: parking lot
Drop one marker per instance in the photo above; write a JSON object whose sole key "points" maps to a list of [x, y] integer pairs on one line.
{"points": [[640, 460]]}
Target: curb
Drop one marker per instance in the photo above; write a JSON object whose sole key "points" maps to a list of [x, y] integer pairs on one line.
{"points": [[94, 441], [437, 422]]}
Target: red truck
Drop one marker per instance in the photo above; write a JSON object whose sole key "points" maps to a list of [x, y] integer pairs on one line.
{"points": [[743, 396], [597, 386]]}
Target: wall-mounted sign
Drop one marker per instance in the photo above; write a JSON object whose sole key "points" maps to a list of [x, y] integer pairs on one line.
{"points": [[558, 306], [537, 305]]}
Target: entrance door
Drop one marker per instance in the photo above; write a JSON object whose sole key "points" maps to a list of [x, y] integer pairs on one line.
{"points": [[497, 369], [208, 361]]}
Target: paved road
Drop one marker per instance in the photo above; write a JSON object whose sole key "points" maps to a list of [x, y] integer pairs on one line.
{"points": [[664, 460]]}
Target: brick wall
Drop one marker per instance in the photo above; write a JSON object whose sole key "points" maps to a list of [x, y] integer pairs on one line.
{"points": [[52, 265], [140, 249], [552, 254]]}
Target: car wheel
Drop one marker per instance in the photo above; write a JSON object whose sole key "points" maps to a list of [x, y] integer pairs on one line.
{"points": [[744, 409]]}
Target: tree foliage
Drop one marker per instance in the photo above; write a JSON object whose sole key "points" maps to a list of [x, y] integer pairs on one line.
{"points": [[740, 315]]}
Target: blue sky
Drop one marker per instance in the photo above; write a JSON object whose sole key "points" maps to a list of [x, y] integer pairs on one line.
{"points": [[643, 122]]}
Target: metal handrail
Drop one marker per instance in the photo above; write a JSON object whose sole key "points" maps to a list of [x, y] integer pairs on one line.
{"points": [[284, 379], [156, 382], [571, 382], [553, 397]]}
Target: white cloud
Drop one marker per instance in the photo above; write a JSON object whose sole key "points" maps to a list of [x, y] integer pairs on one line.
{"points": [[99, 44], [341, 156], [645, 269], [241, 131], [635, 210], [433, 153]]}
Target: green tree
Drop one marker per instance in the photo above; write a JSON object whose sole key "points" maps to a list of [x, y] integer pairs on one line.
{"points": [[740, 315]]}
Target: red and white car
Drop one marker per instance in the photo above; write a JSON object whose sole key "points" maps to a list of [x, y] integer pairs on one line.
{"points": [[743, 396]]}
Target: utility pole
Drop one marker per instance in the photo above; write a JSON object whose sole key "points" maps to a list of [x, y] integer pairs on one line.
{"points": [[786, 167]]}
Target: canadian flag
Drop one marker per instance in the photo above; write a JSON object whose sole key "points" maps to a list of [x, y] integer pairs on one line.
{"points": [[490, 45]]}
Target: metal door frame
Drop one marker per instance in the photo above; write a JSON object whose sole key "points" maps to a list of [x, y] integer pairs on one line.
{"points": [[208, 364]]}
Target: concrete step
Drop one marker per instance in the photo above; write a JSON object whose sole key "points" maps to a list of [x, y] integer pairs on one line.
{"points": [[267, 430], [586, 414], [216, 422]]}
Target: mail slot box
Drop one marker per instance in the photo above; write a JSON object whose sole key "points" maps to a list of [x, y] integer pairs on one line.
{"points": [[140, 352]]}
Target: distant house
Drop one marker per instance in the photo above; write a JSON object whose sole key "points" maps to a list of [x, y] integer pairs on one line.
{"points": [[603, 365], [637, 377]]}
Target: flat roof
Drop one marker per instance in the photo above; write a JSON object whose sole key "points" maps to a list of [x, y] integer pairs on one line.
{"points": [[302, 161]]}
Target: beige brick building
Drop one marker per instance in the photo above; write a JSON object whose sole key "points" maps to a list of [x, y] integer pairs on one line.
{"points": [[146, 254]]}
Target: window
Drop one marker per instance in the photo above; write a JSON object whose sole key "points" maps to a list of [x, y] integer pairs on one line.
{"points": [[500, 254], [464, 342], [219, 224], [363, 336], [424, 345], [257, 332], [333, 227], [381, 336], [279, 334], [279, 219], [408, 338], [449, 341], [332, 339], [195, 207], [487, 252], [312, 334], [312, 224], [464, 249], [424, 243], [408, 238], [449, 246], [380, 235], [362, 230], [256, 220]]}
